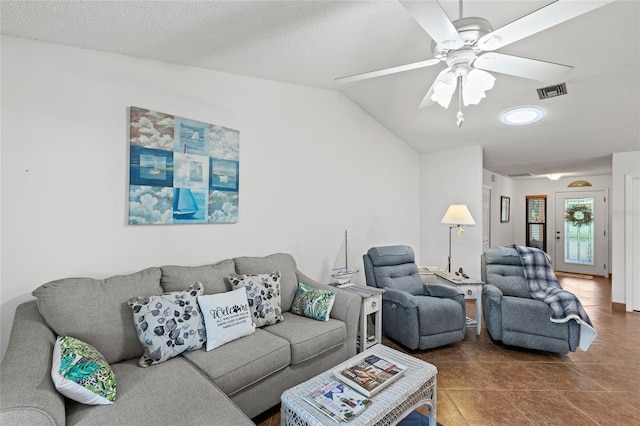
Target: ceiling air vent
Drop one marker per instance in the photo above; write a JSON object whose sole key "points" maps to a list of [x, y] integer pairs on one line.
{"points": [[552, 91], [519, 175]]}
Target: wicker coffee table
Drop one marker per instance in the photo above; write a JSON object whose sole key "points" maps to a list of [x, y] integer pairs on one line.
{"points": [[415, 388]]}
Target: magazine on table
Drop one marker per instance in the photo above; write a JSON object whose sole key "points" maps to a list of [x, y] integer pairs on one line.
{"points": [[338, 401], [370, 374]]}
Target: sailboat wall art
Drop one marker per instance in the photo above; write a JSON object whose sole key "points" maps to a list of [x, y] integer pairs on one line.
{"points": [[181, 171]]}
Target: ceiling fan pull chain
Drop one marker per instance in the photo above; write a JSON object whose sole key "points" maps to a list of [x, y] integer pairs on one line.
{"points": [[459, 116]]}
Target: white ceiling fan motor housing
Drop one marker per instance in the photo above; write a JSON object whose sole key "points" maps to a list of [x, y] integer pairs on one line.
{"points": [[470, 30]]}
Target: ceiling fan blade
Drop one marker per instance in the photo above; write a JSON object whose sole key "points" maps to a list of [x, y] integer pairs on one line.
{"points": [[387, 71], [435, 22], [521, 67], [546, 17]]}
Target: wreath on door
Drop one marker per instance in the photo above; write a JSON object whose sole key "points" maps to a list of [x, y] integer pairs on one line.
{"points": [[579, 215]]}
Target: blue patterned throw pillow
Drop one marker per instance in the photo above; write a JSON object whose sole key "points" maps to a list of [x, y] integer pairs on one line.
{"points": [[263, 295], [81, 373], [313, 302], [169, 324]]}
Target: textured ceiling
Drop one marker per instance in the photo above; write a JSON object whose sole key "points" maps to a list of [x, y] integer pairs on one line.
{"points": [[312, 43]]}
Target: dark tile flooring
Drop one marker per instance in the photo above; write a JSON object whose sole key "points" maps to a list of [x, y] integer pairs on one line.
{"points": [[481, 382]]}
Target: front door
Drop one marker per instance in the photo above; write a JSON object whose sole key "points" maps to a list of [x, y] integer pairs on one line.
{"points": [[581, 239]]}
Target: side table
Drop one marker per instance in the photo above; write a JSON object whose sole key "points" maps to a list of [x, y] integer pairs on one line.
{"points": [[371, 304], [469, 287]]}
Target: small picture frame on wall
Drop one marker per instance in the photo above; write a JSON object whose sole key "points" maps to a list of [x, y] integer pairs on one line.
{"points": [[505, 209]]}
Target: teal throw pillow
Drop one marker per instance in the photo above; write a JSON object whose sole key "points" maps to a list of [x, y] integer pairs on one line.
{"points": [[81, 373], [313, 302]]}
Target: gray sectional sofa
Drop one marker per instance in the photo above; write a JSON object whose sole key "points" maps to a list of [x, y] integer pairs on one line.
{"points": [[227, 386]]}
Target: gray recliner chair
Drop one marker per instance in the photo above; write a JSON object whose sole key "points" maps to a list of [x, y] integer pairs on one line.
{"points": [[415, 314], [511, 315]]}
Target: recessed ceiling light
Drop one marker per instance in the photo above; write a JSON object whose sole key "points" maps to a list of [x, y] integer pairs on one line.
{"points": [[521, 116]]}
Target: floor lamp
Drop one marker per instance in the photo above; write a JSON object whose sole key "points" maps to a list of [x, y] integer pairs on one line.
{"points": [[456, 216]]}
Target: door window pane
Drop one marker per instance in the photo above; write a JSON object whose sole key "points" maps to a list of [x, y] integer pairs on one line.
{"points": [[579, 230]]}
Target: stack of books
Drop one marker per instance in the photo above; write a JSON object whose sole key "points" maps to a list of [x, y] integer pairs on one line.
{"points": [[348, 396]]}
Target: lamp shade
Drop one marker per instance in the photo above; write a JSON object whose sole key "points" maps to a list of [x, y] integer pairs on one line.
{"points": [[458, 214]]}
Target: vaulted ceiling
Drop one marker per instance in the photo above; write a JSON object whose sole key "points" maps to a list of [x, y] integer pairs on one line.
{"points": [[314, 42]]}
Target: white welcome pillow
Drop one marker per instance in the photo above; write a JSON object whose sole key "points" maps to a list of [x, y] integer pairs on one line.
{"points": [[227, 317]]}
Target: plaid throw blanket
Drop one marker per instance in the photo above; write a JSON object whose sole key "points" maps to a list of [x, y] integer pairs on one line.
{"points": [[544, 286]]}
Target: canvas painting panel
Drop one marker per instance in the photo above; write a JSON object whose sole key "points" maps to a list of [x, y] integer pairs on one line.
{"points": [[181, 170]]}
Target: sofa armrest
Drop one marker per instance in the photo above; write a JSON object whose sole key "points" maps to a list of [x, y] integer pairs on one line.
{"points": [[440, 290], [492, 292], [402, 298], [492, 310], [346, 308], [27, 395]]}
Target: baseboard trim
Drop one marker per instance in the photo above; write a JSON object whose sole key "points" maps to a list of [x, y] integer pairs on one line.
{"points": [[573, 275], [618, 307]]}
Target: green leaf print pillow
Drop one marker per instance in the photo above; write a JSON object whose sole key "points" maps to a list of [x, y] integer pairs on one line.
{"points": [[313, 302], [81, 373]]}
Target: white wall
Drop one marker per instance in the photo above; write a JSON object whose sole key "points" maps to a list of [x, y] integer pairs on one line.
{"points": [[502, 234], [451, 177], [623, 163], [312, 164], [544, 186]]}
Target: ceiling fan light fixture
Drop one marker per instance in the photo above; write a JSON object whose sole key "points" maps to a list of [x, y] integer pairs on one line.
{"points": [[521, 116], [443, 89], [476, 84]]}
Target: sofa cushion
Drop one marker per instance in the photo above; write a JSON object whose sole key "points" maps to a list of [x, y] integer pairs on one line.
{"points": [[263, 295], [391, 255], [404, 277], [441, 315], [282, 262], [243, 362], [212, 277], [81, 373], [504, 255], [313, 302], [227, 317], [173, 393], [509, 279], [523, 316], [168, 324], [96, 311], [309, 338]]}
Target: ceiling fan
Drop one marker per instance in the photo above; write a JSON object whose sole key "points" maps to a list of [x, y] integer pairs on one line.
{"points": [[467, 46]]}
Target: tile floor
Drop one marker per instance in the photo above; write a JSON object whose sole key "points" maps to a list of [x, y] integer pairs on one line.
{"points": [[481, 382]]}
